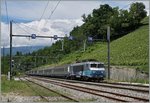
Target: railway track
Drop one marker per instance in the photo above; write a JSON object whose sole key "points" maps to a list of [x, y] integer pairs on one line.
{"points": [[127, 84], [110, 95], [67, 97], [141, 88], [44, 98]]}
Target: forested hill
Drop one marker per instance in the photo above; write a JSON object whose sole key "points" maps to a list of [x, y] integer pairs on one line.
{"points": [[129, 39]]}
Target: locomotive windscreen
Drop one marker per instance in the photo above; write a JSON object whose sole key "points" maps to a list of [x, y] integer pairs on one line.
{"points": [[97, 65]]}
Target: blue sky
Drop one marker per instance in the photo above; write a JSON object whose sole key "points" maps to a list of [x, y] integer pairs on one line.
{"points": [[32, 10], [66, 16]]}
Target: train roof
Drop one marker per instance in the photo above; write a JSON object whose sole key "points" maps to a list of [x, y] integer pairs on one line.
{"points": [[88, 62], [49, 67]]}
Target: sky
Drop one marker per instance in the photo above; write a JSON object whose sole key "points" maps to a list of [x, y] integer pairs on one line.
{"points": [[66, 16]]}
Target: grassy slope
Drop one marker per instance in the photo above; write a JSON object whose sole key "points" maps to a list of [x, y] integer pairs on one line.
{"points": [[130, 50]]}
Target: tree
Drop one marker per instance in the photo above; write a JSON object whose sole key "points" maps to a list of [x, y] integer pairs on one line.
{"points": [[18, 53], [136, 13]]}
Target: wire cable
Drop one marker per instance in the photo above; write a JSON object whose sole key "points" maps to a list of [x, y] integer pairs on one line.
{"points": [[54, 9], [33, 29], [7, 13], [22, 28], [44, 10], [29, 27]]}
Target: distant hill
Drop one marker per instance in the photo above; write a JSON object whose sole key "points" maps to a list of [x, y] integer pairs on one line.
{"points": [[23, 49]]}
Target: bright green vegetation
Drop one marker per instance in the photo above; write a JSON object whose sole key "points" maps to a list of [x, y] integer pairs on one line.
{"points": [[21, 88], [145, 20], [129, 50]]}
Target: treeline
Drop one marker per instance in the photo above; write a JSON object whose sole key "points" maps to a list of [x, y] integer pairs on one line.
{"points": [[121, 21], [95, 25]]}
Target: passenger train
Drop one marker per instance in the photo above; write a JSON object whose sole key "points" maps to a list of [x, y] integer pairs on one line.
{"points": [[90, 70]]}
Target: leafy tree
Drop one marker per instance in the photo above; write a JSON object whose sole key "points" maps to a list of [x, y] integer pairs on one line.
{"points": [[137, 13], [18, 53]]}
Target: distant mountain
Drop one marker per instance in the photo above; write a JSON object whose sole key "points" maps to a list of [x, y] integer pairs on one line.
{"points": [[23, 49]]}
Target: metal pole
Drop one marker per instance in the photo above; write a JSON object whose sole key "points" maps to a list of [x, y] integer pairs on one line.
{"points": [[10, 49], [35, 60], [3, 58], [84, 45], [62, 45], [108, 39]]}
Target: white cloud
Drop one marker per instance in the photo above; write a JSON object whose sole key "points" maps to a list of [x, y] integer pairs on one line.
{"points": [[42, 28], [66, 16], [32, 10]]}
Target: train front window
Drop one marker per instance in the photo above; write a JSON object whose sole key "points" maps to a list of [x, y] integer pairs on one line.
{"points": [[93, 65], [97, 65]]}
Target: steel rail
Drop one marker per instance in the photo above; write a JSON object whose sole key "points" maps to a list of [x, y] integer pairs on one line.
{"points": [[104, 85], [138, 98], [82, 89], [136, 85], [35, 91], [72, 99], [85, 89]]}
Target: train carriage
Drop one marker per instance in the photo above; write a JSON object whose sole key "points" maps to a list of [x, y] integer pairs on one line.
{"points": [[83, 70]]}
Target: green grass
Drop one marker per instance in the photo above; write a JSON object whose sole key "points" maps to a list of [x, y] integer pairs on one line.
{"points": [[21, 88], [129, 50], [145, 20]]}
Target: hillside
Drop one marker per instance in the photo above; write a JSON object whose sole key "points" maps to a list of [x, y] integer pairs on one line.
{"points": [[129, 50]]}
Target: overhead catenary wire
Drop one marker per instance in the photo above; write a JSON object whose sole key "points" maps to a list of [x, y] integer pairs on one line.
{"points": [[43, 15], [33, 28], [54, 9], [44, 10], [27, 26], [21, 28], [30, 28], [7, 13]]}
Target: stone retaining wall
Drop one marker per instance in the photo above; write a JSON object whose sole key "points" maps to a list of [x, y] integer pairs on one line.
{"points": [[126, 74]]}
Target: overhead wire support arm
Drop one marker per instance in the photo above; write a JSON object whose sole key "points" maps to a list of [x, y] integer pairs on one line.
{"points": [[37, 36]]}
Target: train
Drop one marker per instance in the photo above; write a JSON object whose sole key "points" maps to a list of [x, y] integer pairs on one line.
{"points": [[89, 70]]}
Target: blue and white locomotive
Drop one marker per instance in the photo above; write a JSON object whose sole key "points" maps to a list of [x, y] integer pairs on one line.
{"points": [[89, 70]]}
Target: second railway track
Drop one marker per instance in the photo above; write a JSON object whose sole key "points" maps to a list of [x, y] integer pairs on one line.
{"points": [[137, 88], [44, 98], [63, 95], [114, 96]]}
